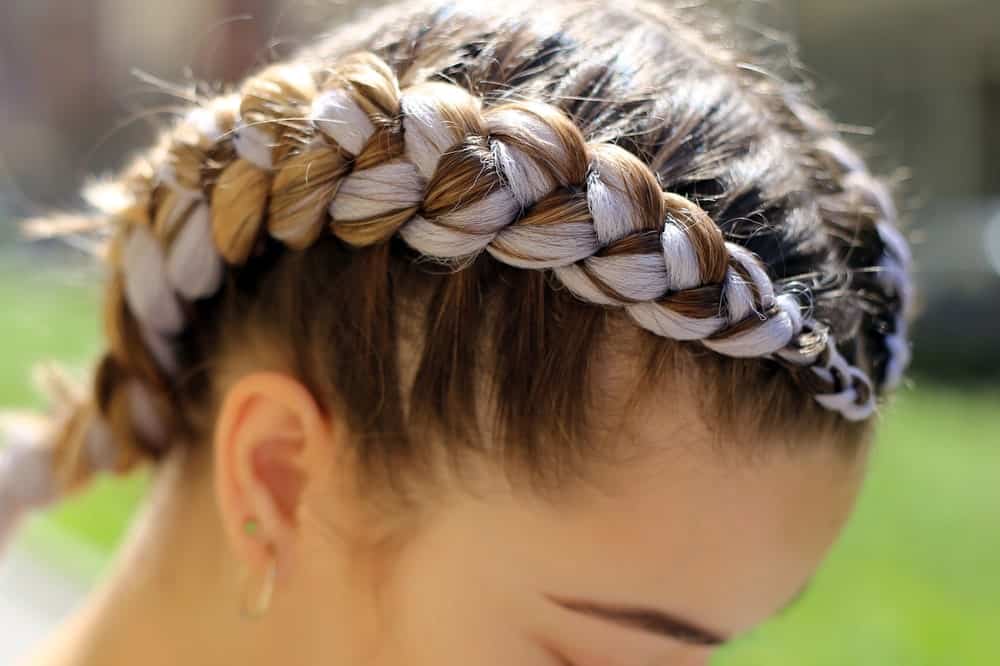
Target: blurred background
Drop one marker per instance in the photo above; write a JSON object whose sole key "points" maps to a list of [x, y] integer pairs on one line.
{"points": [[915, 579]]}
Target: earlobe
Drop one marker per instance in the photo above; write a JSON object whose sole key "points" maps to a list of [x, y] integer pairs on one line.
{"points": [[268, 426]]}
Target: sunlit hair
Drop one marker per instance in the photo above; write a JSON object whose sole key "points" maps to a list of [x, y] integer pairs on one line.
{"points": [[520, 182]]}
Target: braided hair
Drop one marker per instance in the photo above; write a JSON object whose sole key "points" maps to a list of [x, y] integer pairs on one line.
{"points": [[716, 213]]}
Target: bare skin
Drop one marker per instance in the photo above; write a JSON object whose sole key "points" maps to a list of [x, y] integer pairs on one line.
{"points": [[715, 543]]}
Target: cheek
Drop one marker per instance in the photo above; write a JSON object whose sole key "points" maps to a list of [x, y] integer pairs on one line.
{"points": [[703, 659]]}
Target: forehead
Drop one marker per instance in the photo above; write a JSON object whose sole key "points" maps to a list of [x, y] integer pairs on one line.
{"points": [[689, 526], [716, 525]]}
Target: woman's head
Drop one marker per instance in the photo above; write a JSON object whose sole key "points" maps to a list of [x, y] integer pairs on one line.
{"points": [[659, 560], [543, 250]]}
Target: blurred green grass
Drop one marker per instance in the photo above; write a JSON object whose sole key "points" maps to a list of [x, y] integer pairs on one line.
{"points": [[914, 581]]}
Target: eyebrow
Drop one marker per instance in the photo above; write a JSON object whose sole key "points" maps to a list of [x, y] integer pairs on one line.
{"points": [[656, 621], [647, 619]]}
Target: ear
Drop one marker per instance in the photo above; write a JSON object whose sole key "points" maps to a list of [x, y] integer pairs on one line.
{"points": [[269, 434]]}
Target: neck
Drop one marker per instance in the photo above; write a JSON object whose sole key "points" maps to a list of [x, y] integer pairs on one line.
{"points": [[172, 596]]}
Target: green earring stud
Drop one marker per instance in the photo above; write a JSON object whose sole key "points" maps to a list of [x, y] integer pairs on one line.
{"points": [[250, 527]]}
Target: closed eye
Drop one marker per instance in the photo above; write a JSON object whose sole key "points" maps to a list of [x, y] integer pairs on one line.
{"points": [[645, 619]]}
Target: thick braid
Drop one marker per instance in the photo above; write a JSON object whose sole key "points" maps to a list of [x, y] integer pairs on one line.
{"points": [[519, 181], [881, 218], [345, 149], [126, 416], [896, 260]]}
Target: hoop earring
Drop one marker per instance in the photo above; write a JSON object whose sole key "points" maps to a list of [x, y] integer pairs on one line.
{"points": [[255, 604]]}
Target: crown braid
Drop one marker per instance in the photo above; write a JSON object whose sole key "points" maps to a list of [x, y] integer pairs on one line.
{"points": [[298, 153]]}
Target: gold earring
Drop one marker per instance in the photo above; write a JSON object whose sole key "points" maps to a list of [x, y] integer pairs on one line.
{"points": [[256, 603]]}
